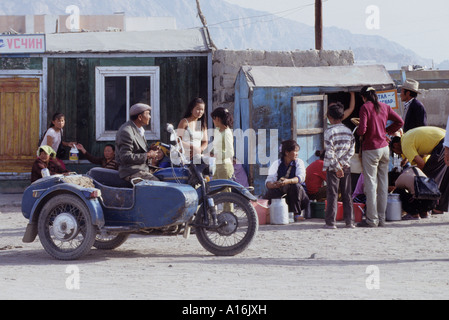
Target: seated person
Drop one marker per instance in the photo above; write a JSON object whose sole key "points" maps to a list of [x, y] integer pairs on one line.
{"points": [[132, 150], [240, 175], [405, 187], [46, 160], [315, 178], [162, 159], [285, 177], [108, 159], [424, 147]]}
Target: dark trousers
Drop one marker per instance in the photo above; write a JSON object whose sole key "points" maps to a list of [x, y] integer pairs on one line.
{"points": [[297, 199], [436, 168], [345, 186]]}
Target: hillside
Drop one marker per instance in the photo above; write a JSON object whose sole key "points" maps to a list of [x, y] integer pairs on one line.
{"points": [[262, 33]]}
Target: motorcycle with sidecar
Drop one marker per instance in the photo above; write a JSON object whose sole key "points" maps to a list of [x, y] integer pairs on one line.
{"points": [[71, 214]]}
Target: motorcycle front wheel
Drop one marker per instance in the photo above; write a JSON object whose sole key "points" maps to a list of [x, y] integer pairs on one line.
{"points": [[237, 225], [65, 227]]}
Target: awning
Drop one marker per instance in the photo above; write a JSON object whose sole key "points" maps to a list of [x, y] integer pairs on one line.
{"points": [[160, 41], [334, 78]]}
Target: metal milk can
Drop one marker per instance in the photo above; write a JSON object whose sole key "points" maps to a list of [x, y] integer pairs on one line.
{"points": [[394, 208], [279, 211]]}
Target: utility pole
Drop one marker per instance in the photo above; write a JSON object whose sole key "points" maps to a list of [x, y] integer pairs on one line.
{"points": [[318, 25], [204, 22]]}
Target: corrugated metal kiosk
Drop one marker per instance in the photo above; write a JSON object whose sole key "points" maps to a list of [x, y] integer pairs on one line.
{"points": [[273, 104]]}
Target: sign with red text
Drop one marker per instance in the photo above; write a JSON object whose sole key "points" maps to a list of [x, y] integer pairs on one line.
{"points": [[389, 97], [15, 44]]}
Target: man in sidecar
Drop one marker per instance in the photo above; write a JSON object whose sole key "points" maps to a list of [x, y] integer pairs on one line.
{"points": [[132, 151]]}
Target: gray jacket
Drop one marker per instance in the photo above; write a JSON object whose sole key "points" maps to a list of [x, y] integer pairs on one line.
{"points": [[130, 150]]}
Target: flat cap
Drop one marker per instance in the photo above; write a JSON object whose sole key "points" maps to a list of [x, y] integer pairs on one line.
{"points": [[138, 108]]}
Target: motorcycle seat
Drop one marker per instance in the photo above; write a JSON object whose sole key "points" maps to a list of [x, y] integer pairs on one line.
{"points": [[108, 177]]}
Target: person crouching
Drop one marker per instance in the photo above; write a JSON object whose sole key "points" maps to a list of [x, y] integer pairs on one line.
{"points": [[46, 160]]}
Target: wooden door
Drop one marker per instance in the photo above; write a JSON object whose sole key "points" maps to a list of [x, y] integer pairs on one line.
{"points": [[19, 123], [308, 125]]}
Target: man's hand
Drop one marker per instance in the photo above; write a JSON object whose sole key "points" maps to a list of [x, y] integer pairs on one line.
{"points": [[152, 154]]}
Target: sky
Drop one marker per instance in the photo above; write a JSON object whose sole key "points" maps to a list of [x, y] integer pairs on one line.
{"points": [[422, 26]]}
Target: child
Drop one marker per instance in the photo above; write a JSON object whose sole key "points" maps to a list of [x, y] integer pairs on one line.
{"points": [[223, 147], [315, 178], [46, 160], [223, 144], [53, 136], [108, 159], [339, 144], [162, 159]]}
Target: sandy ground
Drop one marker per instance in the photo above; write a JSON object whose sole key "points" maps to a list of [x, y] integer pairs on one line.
{"points": [[405, 260]]}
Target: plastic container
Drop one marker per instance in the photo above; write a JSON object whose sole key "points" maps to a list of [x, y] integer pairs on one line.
{"points": [[359, 209], [263, 211], [45, 173], [318, 210], [278, 211], [394, 208], [74, 154], [340, 215]]}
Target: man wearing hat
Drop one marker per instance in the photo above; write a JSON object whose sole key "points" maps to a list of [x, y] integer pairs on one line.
{"points": [[132, 151], [414, 113]]}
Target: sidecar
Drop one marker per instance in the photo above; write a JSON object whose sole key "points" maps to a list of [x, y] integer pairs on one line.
{"points": [[73, 213]]}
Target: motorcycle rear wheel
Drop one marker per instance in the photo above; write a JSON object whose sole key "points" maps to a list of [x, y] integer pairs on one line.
{"points": [[239, 225], [65, 227]]}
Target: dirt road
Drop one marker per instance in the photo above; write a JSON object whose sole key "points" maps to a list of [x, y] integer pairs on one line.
{"points": [[405, 260]]}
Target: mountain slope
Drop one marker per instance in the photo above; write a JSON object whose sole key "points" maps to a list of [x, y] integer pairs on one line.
{"points": [[262, 32]]}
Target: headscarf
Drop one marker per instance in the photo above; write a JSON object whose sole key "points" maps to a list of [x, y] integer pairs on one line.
{"points": [[48, 150]]}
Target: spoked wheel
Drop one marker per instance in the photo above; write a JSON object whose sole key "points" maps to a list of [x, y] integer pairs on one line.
{"points": [[110, 241], [237, 225], [65, 227]]}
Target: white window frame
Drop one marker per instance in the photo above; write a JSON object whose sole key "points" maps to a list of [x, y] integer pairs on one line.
{"points": [[101, 73]]}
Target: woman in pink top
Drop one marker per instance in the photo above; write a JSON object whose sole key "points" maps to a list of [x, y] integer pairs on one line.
{"points": [[375, 154]]}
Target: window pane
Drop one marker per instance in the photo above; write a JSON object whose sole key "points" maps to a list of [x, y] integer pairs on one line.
{"points": [[140, 92], [115, 102]]}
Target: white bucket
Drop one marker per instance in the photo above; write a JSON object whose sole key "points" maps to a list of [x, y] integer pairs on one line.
{"points": [[279, 211]]}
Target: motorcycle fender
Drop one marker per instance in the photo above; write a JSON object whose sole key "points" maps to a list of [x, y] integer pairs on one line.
{"points": [[215, 186], [92, 204]]}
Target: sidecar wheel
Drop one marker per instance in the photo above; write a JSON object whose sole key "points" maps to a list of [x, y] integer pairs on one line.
{"points": [[65, 227], [239, 225], [107, 241]]}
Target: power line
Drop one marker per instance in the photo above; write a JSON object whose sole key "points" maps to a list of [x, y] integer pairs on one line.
{"points": [[288, 12]]}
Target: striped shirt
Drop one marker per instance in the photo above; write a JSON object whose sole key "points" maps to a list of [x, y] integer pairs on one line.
{"points": [[339, 145]]}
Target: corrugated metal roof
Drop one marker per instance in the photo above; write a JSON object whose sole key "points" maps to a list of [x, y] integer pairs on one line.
{"points": [[333, 76], [192, 40]]}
